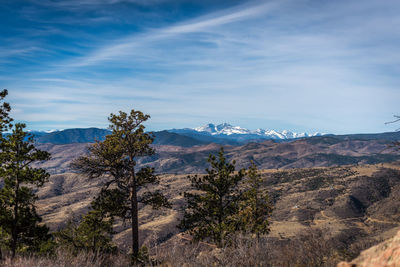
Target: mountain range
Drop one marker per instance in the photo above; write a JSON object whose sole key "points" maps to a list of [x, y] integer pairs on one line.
{"points": [[222, 134], [358, 203], [90, 135], [239, 134], [210, 133]]}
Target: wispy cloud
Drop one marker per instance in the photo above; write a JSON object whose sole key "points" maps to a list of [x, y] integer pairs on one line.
{"points": [[125, 46], [75, 5], [301, 65]]}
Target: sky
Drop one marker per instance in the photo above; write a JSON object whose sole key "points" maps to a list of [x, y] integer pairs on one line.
{"points": [[299, 65]]}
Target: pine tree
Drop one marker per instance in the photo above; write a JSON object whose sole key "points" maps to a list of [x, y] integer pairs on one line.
{"points": [[115, 158], [5, 121], [18, 217], [93, 233], [255, 207], [211, 211]]}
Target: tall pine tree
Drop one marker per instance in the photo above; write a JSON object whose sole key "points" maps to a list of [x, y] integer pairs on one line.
{"points": [[5, 121], [18, 217], [115, 158]]}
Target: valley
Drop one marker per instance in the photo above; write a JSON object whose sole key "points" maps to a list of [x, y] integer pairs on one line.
{"points": [[173, 157], [355, 206], [343, 190]]}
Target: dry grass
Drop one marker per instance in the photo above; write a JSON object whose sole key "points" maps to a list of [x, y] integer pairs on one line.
{"points": [[316, 198], [65, 259], [312, 248], [309, 249]]}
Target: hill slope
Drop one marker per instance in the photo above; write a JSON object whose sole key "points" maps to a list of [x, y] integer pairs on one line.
{"points": [[191, 157], [90, 135], [354, 206]]}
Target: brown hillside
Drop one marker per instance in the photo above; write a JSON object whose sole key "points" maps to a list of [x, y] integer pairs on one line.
{"points": [[356, 206], [385, 254], [306, 153]]}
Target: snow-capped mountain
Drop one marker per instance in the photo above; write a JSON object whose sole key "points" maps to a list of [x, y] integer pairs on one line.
{"points": [[226, 130], [223, 128], [44, 132]]}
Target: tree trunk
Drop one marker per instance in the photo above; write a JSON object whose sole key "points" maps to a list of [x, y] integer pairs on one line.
{"points": [[135, 222], [14, 230], [220, 215]]}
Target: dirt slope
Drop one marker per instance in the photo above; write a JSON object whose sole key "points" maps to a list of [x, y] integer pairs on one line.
{"points": [[385, 254]]}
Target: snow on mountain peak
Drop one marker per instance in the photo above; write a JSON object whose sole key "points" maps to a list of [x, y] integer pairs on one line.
{"points": [[44, 131], [228, 129], [223, 128], [206, 128]]}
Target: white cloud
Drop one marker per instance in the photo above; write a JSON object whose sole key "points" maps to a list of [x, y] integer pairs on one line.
{"points": [[326, 69], [126, 46]]}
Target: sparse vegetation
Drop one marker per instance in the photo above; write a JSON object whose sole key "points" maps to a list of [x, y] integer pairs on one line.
{"points": [[225, 207], [63, 258]]}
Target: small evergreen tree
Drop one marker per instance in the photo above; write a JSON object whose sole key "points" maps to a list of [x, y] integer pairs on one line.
{"points": [[255, 207], [18, 217], [115, 158], [93, 233], [211, 211]]}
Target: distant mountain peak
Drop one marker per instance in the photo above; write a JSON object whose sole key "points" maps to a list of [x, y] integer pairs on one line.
{"points": [[45, 131], [211, 128], [226, 129], [223, 128]]}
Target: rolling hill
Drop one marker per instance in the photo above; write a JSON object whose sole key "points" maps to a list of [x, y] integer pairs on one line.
{"points": [[353, 207], [89, 135], [191, 154], [344, 187]]}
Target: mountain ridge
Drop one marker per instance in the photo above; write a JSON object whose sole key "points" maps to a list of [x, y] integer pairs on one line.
{"points": [[228, 129], [188, 137], [90, 135]]}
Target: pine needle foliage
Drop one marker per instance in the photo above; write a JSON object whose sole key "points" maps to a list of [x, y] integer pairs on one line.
{"points": [[211, 209], [255, 207], [115, 159], [92, 234], [5, 120], [18, 217]]}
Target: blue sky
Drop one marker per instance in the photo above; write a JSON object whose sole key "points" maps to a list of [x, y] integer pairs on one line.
{"points": [[300, 65]]}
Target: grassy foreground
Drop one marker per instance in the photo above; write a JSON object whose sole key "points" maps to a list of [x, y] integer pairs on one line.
{"points": [[309, 249]]}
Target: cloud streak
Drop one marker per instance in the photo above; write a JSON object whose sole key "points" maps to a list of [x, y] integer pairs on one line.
{"points": [[296, 65], [124, 46]]}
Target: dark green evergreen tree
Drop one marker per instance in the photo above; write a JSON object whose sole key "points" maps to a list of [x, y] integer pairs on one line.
{"points": [[255, 207], [115, 158], [18, 217], [5, 121], [93, 233], [212, 208]]}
